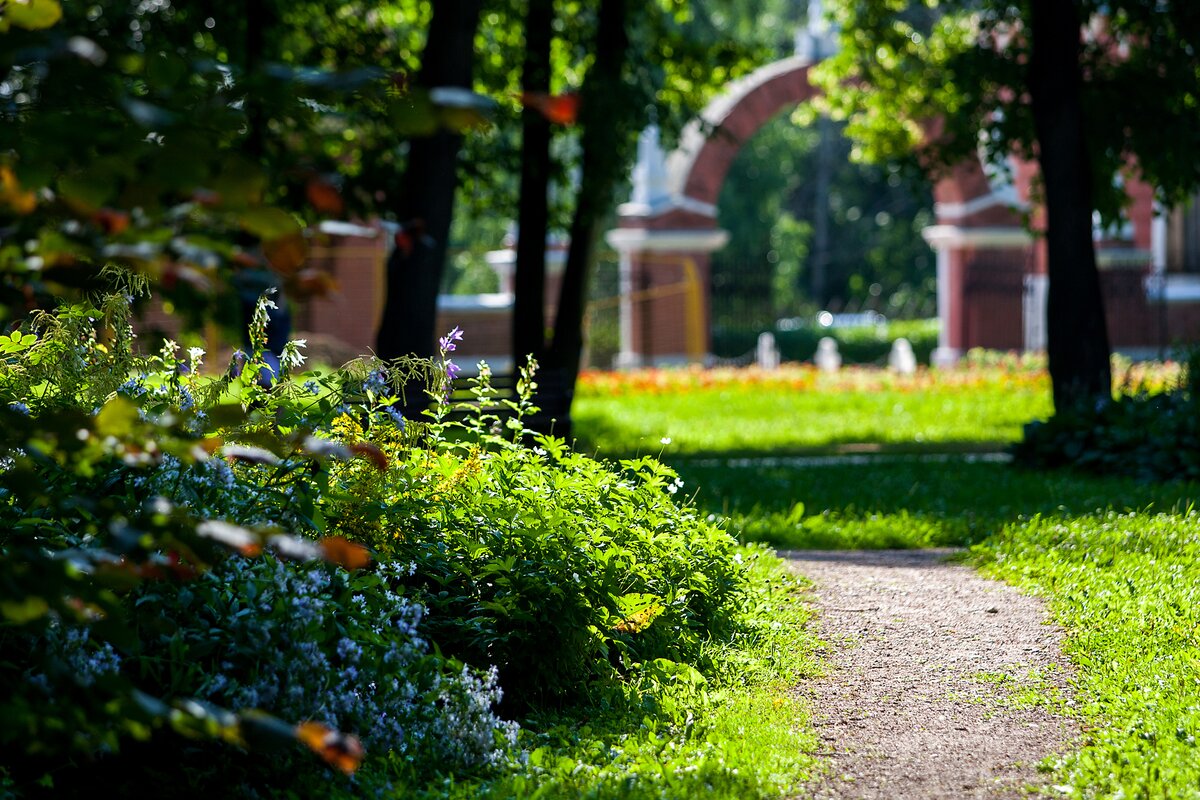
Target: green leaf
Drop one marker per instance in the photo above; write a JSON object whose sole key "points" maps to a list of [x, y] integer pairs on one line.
{"points": [[269, 223], [22, 611], [117, 418], [31, 15]]}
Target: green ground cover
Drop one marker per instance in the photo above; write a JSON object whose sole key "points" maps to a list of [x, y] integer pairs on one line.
{"points": [[900, 501], [1118, 561], [799, 410], [242, 587], [1126, 587]]}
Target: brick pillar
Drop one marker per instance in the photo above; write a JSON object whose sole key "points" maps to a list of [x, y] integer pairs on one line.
{"points": [[664, 306]]}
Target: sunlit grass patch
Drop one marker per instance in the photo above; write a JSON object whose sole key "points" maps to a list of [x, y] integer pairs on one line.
{"points": [[1127, 589], [885, 502]]}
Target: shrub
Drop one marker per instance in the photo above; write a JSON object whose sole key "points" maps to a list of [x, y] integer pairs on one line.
{"points": [[1144, 432], [560, 570], [868, 344], [125, 612], [148, 578]]}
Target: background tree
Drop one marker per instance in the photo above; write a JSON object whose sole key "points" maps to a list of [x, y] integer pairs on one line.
{"points": [[429, 185], [1093, 90], [875, 254], [195, 142]]}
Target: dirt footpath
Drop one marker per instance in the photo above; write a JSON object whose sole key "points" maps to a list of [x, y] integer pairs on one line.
{"points": [[927, 691]]}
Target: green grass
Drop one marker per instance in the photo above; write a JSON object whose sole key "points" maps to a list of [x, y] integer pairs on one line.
{"points": [[1127, 589], [773, 419], [1118, 561], [741, 735], [901, 501]]}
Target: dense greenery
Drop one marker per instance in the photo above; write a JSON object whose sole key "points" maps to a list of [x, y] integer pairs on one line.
{"points": [[874, 254], [163, 561], [193, 142], [1147, 431]]}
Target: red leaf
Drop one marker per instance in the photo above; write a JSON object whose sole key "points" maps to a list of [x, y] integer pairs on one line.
{"points": [[561, 109], [324, 197], [111, 221], [339, 750], [341, 551], [371, 453]]}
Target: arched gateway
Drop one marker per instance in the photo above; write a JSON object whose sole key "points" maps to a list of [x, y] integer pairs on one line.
{"points": [[990, 275]]}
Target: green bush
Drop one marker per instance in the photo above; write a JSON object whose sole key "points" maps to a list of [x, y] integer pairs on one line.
{"points": [[1142, 432], [560, 570], [186, 552], [138, 591]]}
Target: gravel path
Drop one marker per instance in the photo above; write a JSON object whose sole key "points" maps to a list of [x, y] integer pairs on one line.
{"points": [[911, 707]]}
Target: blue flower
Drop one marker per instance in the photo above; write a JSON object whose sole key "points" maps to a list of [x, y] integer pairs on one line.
{"points": [[396, 416]]}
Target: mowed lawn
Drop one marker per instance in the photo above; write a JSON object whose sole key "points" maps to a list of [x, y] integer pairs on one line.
{"points": [[1118, 561], [801, 410]]}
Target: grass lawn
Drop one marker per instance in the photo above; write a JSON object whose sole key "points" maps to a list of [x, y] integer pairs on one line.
{"points": [[801, 410], [1118, 561]]}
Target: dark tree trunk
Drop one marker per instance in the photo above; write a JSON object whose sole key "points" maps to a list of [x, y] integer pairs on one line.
{"points": [[1077, 339], [607, 113], [414, 272], [533, 214]]}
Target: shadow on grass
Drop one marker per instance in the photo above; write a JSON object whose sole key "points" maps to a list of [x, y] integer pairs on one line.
{"points": [[889, 559], [896, 501]]}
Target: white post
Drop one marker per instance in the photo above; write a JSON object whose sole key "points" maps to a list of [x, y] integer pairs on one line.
{"points": [[944, 355], [626, 357]]}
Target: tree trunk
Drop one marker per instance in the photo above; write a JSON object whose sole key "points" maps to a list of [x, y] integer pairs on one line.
{"points": [[607, 113], [1077, 339], [533, 214], [414, 273]]}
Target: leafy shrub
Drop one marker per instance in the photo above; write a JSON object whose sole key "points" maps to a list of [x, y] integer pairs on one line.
{"points": [[125, 612], [556, 568], [147, 578], [1144, 432]]}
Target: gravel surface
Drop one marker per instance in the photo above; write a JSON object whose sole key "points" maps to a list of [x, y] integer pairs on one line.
{"points": [[912, 706]]}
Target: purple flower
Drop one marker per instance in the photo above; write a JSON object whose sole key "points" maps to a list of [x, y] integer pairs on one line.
{"points": [[447, 341]]}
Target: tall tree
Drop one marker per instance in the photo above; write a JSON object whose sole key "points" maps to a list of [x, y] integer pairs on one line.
{"points": [[607, 115], [533, 213], [426, 207], [1077, 337], [1093, 89]]}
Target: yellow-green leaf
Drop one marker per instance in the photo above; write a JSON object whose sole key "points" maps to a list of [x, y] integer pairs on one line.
{"points": [[25, 610], [117, 418], [269, 223], [30, 14]]}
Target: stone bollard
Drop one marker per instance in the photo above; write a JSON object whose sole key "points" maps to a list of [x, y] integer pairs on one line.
{"points": [[902, 360], [828, 359], [766, 354]]}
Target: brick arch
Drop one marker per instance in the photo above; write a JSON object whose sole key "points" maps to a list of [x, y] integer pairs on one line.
{"points": [[696, 170], [673, 220]]}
